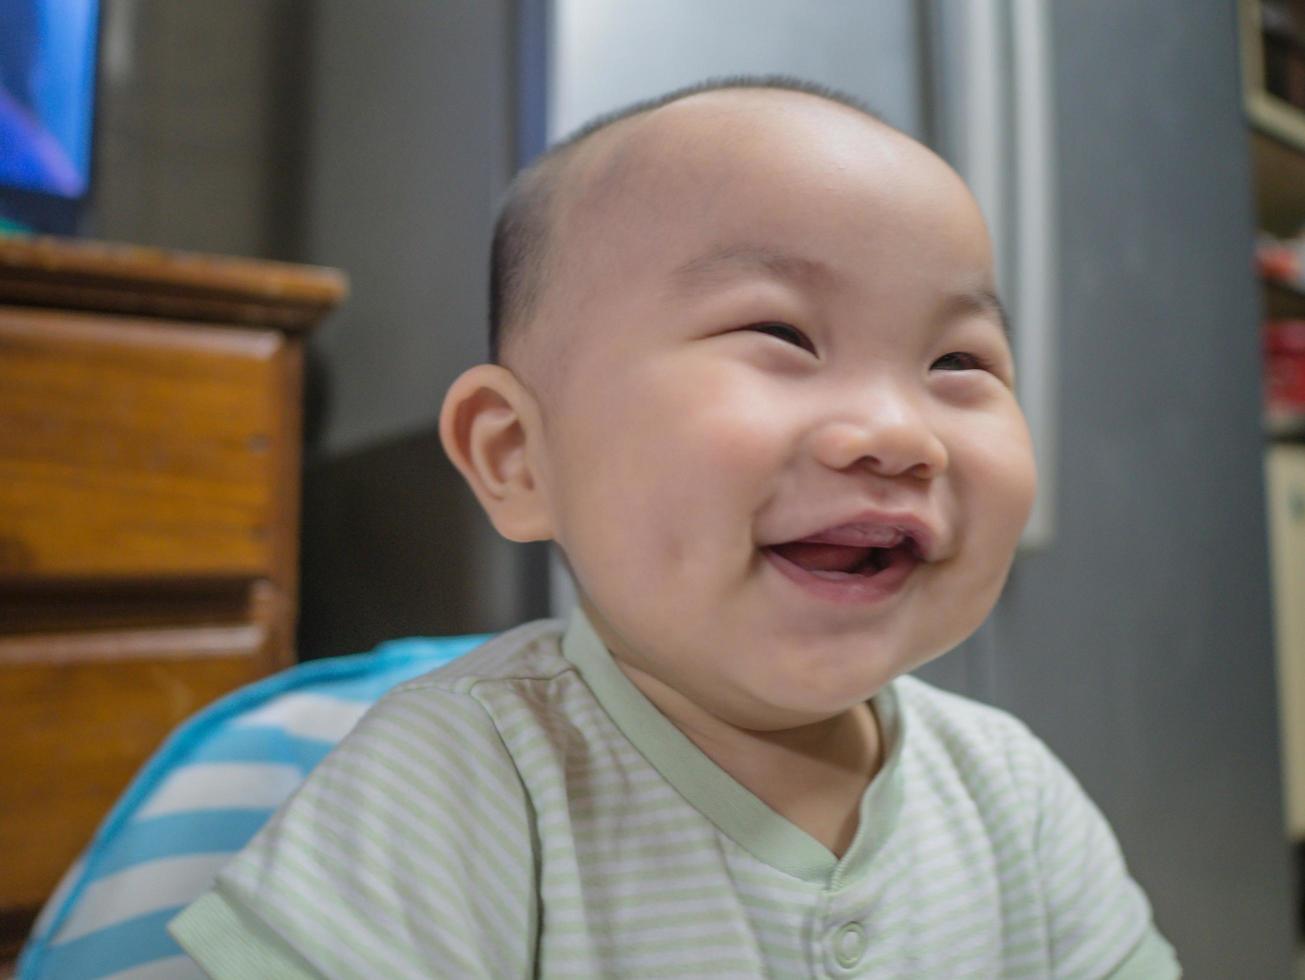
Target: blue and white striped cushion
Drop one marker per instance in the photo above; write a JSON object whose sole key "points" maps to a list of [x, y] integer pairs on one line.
{"points": [[202, 796]]}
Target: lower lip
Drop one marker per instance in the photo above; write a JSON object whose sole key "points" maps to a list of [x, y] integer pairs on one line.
{"points": [[847, 587]]}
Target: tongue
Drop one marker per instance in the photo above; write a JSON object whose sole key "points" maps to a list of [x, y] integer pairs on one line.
{"points": [[823, 557]]}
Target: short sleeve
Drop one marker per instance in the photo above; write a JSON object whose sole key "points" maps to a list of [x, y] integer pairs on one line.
{"points": [[1099, 919], [408, 852]]}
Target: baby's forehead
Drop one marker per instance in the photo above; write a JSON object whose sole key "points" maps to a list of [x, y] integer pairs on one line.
{"points": [[678, 154], [716, 160], [695, 134]]}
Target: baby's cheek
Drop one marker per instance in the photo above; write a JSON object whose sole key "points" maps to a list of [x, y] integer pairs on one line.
{"points": [[700, 432], [748, 423], [1017, 480], [994, 464]]}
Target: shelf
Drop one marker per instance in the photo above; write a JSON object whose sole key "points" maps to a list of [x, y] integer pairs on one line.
{"points": [[1268, 113], [1282, 300], [1285, 428], [1280, 184], [1277, 118]]}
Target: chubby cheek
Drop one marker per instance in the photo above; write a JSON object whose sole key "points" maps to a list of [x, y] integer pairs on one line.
{"points": [[1015, 473], [993, 501], [667, 465], [997, 482]]}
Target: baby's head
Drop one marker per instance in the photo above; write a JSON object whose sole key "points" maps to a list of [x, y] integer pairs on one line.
{"points": [[755, 382]]}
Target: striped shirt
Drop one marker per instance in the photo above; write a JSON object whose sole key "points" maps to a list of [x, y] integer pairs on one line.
{"points": [[525, 811]]}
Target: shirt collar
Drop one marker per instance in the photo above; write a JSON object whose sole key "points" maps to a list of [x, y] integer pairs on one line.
{"points": [[734, 809]]}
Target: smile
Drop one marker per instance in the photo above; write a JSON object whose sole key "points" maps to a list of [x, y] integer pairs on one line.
{"points": [[859, 562]]}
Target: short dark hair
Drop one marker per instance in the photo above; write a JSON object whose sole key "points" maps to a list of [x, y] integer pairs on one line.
{"points": [[519, 251]]}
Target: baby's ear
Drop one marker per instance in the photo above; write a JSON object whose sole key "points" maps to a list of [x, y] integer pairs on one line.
{"points": [[488, 425]]}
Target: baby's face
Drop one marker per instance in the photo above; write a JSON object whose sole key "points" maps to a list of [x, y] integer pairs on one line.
{"points": [[783, 452]]}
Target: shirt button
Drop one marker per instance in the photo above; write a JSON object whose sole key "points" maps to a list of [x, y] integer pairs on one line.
{"points": [[849, 945]]}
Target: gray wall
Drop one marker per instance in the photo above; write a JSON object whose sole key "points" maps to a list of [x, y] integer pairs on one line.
{"points": [[1140, 645], [409, 148], [195, 142]]}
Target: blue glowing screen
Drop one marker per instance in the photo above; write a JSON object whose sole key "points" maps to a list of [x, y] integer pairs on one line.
{"points": [[47, 94]]}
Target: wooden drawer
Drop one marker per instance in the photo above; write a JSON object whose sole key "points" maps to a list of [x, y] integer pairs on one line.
{"points": [[149, 494], [134, 448], [75, 733]]}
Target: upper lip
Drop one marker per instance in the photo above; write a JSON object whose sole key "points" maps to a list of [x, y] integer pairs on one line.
{"points": [[877, 529]]}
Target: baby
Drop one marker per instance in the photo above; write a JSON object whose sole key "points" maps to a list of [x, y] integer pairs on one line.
{"points": [[752, 377]]}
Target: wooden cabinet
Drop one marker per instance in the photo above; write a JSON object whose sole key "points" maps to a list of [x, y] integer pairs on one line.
{"points": [[149, 491]]}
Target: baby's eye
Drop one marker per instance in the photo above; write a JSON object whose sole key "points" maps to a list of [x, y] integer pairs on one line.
{"points": [[787, 333], [960, 361]]}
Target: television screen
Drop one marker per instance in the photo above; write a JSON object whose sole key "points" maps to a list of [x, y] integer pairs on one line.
{"points": [[47, 95]]}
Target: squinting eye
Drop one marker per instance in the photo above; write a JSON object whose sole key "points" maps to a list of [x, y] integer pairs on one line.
{"points": [[960, 361], [787, 333]]}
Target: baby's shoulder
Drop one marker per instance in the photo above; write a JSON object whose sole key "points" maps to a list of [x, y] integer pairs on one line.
{"points": [[528, 653], [510, 692], [955, 716], [948, 735]]}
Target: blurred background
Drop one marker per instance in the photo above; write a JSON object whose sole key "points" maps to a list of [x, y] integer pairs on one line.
{"points": [[1142, 167]]}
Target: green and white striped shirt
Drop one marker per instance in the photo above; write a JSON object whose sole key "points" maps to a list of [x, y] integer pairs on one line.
{"points": [[525, 811]]}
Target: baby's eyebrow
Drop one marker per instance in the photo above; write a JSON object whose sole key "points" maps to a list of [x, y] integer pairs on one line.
{"points": [[729, 261], [985, 302]]}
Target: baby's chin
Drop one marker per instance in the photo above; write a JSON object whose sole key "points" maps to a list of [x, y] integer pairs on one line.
{"points": [[801, 673], [826, 684], [794, 695]]}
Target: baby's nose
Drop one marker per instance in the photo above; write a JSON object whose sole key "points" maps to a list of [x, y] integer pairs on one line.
{"points": [[889, 436]]}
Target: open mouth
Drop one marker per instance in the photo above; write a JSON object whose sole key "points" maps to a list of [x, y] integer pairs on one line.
{"points": [[836, 562], [851, 562]]}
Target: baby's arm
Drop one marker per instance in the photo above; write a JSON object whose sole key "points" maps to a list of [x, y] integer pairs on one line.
{"points": [[1091, 899], [407, 853]]}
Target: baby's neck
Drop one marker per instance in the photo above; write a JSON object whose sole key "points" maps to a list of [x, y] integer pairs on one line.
{"points": [[813, 775]]}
